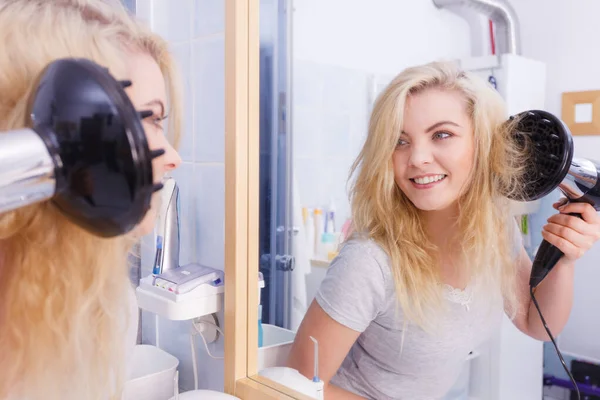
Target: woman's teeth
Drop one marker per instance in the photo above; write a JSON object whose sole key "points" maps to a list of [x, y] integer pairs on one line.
{"points": [[428, 179]]}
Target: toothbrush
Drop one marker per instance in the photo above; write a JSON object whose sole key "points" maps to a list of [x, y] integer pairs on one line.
{"points": [[315, 379], [157, 270]]}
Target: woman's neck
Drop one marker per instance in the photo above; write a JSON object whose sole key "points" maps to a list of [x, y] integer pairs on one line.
{"points": [[440, 226], [441, 229]]}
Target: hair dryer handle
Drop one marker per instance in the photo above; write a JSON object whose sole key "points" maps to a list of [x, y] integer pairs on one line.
{"points": [[545, 259]]}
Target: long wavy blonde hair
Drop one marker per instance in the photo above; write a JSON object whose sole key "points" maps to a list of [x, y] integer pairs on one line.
{"points": [[63, 291], [385, 214]]}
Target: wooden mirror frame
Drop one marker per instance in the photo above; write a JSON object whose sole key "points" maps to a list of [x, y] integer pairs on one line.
{"points": [[241, 206]]}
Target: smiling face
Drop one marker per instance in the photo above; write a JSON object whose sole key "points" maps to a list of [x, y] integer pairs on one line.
{"points": [[435, 150], [148, 92]]}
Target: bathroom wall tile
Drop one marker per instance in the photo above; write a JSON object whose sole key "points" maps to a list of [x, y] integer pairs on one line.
{"points": [[335, 178], [201, 186], [344, 89], [148, 327], [209, 192], [184, 176], [335, 138], [211, 371], [308, 173], [307, 84], [130, 5], [307, 130], [172, 19], [359, 126], [174, 338], [143, 11], [208, 60], [183, 55], [209, 17]]}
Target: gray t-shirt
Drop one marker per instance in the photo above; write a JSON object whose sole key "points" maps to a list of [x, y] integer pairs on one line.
{"points": [[359, 292]]}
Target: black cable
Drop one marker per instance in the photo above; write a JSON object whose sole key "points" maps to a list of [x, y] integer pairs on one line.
{"points": [[562, 360]]}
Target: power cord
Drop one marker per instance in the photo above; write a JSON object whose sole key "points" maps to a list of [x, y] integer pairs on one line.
{"points": [[193, 334], [562, 360], [215, 326]]}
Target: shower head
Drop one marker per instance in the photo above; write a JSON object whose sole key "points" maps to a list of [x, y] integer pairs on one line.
{"points": [[551, 165], [85, 149]]}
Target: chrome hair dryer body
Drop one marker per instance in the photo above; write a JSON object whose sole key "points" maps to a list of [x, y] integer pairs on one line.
{"points": [[552, 166], [26, 170], [84, 148]]}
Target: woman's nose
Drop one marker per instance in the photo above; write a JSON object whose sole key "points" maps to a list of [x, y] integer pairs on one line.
{"points": [[172, 159], [420, 154]]}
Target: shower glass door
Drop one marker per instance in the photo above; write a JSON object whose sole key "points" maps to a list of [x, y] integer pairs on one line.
{"points": [[275, 229]]}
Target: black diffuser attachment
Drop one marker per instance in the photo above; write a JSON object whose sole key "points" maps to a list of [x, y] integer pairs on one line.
{"points": [[103, 165], [549, 149]]}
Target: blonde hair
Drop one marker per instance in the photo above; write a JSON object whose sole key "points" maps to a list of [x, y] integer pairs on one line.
{"points": [[381, 211], [63, 291]]}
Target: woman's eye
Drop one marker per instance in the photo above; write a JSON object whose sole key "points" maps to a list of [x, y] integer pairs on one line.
{"points": [[157, 121], [442, 135], [402, 142]]}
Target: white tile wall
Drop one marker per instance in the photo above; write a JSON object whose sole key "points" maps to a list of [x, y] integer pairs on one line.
{"points": [[330, 111], [195, 31], [335, 54], [209, 89]]}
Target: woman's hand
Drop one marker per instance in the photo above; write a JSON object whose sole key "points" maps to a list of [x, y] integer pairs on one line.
{"points": [[572, 235]]}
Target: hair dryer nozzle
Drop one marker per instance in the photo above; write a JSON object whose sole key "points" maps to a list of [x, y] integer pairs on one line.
{"points": [[102, 165], [549, 147]]}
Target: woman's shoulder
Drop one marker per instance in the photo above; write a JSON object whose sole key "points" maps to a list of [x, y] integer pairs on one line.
{"points": [[363, 254], [363, 245], [358, 284]]}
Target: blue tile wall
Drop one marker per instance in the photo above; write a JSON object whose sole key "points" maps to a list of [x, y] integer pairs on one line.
{"points": [[195, 31]]}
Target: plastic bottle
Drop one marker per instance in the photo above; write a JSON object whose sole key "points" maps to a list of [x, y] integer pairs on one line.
{"points": [[330, 218], [260, 328], [319, 229], [309, 231]]}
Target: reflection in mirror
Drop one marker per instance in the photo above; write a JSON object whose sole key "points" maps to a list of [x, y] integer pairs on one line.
{"points": [[393, 264]]}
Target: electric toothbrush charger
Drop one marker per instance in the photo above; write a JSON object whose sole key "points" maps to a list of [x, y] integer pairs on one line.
{"points": [[205, 299]]}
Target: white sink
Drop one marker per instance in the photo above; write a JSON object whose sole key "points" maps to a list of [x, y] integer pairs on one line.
{"points": [[277, 343]]}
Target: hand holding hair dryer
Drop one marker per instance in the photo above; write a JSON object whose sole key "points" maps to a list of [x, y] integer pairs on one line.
{"points": [[84, 148], [552, 166]]}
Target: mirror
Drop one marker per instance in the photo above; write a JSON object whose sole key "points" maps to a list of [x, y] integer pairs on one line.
{"points": [[322, 66]]}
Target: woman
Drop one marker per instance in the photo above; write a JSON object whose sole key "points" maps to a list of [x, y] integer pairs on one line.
{"points": [[67, 311], [436, 259]]}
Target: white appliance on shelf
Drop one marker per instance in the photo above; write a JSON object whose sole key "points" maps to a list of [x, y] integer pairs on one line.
{"points": [[510, 365], [198, 295]]}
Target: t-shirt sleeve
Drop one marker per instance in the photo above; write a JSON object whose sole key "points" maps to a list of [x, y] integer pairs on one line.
{"points": [[353, 292]]}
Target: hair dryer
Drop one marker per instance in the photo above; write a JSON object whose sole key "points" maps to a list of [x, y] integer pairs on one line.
{"points": [[84, 148], [552, 166]]}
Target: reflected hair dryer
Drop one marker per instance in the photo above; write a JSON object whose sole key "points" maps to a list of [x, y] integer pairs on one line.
{"points": [[552, 166], [84, 148]]}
